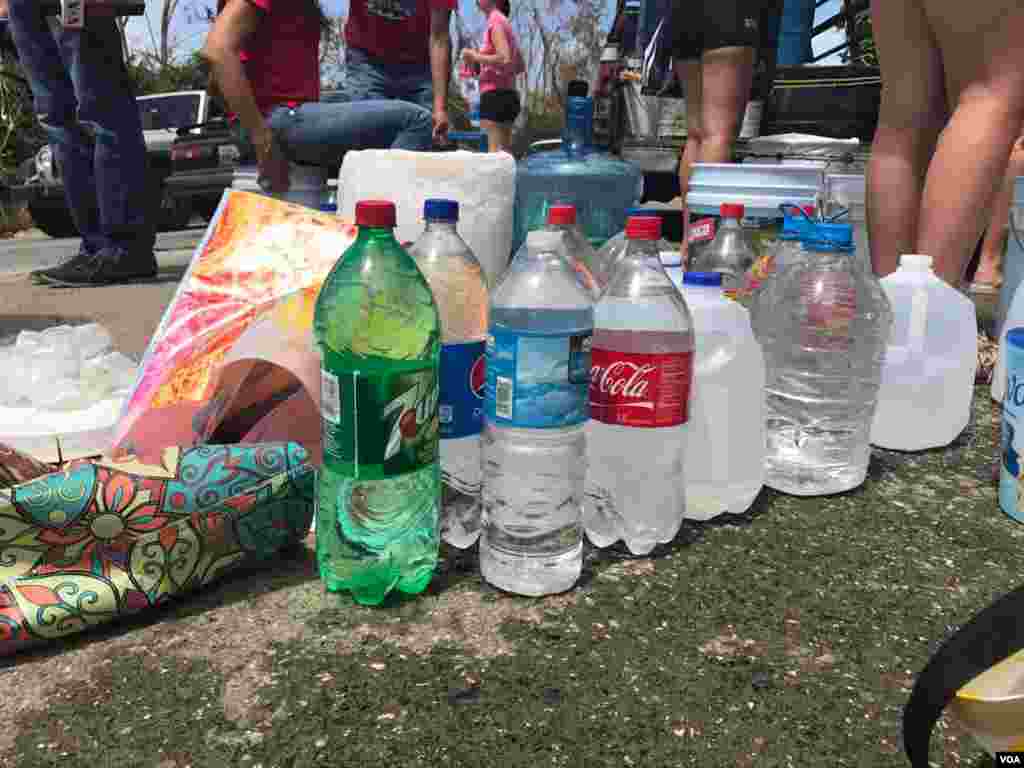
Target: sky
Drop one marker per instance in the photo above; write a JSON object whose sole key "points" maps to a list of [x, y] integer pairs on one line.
{"points": [[190, 32]]}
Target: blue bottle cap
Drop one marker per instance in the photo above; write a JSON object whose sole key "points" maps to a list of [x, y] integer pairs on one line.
{"points": [[795, 227], [1015, 336], [829, 237], [443, 210], [708, 279]]}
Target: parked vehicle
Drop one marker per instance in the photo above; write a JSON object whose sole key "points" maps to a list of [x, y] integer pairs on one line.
{"points": [[41, 185]]}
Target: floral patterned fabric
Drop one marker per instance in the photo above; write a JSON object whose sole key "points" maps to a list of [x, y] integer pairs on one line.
{"points": [[99, 540]]}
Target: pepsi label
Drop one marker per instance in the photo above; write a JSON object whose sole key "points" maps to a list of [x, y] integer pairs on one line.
{"points": [[463, 376]]}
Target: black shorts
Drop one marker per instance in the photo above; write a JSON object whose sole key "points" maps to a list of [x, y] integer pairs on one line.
{"points": [[500, 106], [696, 26]]}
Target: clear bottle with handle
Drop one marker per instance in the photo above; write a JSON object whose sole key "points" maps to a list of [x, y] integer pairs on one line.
{"points": [[731, 252], [536, 403], [460, 290], [378, 490], [724, 466], [641, 373], [928, 375], [824, 336]]}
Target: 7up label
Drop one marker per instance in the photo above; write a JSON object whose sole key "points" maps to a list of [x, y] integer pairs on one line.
{"points": [[378, 425]]}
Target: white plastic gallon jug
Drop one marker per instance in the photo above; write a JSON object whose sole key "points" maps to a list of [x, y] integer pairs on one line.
{"points": [[924, 400], [305, 184], [724, 460], [483, 184], [1011, 300]]}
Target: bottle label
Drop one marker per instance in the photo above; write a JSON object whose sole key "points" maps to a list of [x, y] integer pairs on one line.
{"points": [[702, 231], [385, 423], [463, 378], [537, 380], [640, 390], [831, 302]]}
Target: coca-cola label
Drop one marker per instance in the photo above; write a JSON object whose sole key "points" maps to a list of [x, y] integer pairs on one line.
{"points": [[702, 231], [640, 390]]}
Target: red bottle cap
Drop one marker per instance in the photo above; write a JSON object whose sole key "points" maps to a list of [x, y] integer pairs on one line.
{"points": [[643, 228], [809, 210], [731, 210], [375, 213], [562, 215]]}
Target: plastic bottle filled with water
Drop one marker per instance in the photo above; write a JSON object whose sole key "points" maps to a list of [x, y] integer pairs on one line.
{"points": [[641, 375], [378, 491], [731, 252], [536, 403], [575, 248], [824, 332], [460, 290]]}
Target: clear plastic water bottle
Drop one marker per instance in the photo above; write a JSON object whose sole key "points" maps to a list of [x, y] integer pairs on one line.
{"points": [[534, 461], [724, 466], [609, 253], [641, 374], [378, 490], [574, 247], [780, 254], [731, 252], [824, 336], [460, 290]]}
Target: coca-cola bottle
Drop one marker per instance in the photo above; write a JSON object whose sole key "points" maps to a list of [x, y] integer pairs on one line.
{"points": [[641, 373]]}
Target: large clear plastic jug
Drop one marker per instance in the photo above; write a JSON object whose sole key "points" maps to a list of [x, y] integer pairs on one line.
{"points": [[924, 400], [724, 460], [601, 187]]}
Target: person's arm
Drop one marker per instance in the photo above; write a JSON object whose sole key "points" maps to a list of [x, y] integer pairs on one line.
{"points": [[440, 68], [502, 57], [232, 27]]}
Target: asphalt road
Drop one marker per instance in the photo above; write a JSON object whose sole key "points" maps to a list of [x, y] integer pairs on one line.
{"points": [[34, 250]]}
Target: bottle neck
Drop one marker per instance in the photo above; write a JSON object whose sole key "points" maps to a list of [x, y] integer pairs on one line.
{"points": [[578, 136], [375, 234], [440, 225]]}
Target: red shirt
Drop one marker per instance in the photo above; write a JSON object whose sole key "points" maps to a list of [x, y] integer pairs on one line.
{"points": [[396, 31], [282, 58]]}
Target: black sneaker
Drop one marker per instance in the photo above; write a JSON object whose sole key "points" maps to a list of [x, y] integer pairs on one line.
{"points": [[106, 267], [82, 255]]}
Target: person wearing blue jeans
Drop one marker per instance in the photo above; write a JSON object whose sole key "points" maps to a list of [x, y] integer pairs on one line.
{"points": [[85, 100], [263, 55]]}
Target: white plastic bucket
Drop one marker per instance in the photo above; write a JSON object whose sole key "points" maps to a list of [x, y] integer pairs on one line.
{"points": [[1010, 313], [927, 383], [306, 184], [483, 184]]}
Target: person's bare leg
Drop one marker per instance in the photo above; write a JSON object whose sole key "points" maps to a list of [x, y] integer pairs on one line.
{"points": [[727, 75], [503, 137], [983, 59], [689, 75], [912, 114], [490, 128], [989, 272]]}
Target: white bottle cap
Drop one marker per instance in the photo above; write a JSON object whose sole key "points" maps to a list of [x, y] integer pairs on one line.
{"points": [[916, 261], [543, 240]]}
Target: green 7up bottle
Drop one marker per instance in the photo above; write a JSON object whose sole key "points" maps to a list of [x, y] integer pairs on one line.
{"points": [[378, 493]]}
